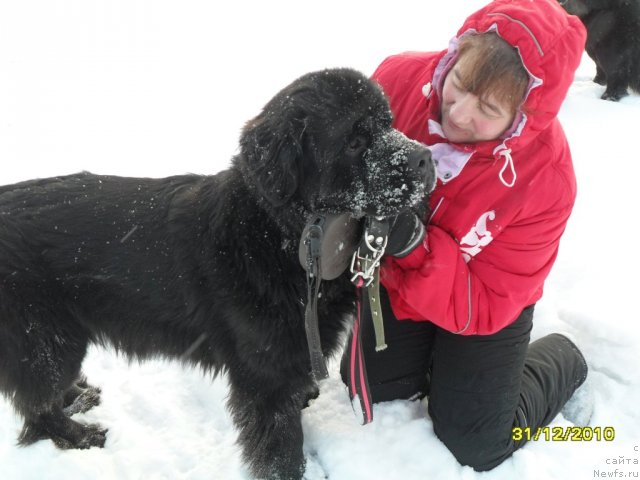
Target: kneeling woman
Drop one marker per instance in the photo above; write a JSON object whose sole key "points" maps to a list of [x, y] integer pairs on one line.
{"points": [[460, 286]]}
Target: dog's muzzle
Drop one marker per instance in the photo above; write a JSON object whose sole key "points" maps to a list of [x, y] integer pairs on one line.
{"points": [[419, 162]]}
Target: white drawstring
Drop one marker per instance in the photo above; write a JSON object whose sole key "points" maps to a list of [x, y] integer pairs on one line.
{"points": [[508, 161]]}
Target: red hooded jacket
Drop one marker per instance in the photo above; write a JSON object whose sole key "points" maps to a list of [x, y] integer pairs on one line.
{"points": [[501, 206]]}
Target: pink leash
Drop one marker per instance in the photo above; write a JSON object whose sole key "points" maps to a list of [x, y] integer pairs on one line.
{"points": [[358, 383]]}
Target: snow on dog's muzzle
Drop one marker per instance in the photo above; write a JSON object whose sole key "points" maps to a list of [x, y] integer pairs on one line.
{"points": [[400, 172]]}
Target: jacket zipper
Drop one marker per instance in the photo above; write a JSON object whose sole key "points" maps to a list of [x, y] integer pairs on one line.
{"points": [[468, 305], [433, 214]]}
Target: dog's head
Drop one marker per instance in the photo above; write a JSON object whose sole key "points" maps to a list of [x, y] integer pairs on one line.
{"points": [[325, 143]]}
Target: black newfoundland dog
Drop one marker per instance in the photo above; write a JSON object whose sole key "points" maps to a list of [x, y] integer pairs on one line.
{"points": [[613, 42], [199, 268]]}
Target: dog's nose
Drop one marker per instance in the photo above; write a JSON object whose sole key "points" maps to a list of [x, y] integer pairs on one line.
{"points": [[420, 162]]}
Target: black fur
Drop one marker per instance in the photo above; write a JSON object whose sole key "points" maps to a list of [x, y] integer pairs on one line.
{"points": [[199, 268], [613, 42]]}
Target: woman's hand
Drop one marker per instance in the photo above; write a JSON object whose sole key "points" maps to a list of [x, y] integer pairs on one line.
{"points": [[406, 232]]}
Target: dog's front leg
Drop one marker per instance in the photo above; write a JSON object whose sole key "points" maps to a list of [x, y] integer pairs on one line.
{"points": [[267, 415]]}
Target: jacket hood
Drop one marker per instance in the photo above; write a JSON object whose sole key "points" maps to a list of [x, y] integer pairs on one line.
{"points": [[550, 43]]}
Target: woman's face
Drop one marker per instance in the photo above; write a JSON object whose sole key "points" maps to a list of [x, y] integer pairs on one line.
{"points": [[467, 118]]}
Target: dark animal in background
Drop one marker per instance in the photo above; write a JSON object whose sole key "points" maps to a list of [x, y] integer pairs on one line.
{"points": [[199, 268], [613, 42]]}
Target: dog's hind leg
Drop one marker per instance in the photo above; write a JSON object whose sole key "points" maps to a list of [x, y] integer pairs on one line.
{"points": [[65, 433], [80, 397], [52, 419], [601, 77], [616, 89], [616, 64], [41, 353]]}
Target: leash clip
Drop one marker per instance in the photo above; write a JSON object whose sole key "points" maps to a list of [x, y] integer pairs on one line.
{"points": [[364, 265]]}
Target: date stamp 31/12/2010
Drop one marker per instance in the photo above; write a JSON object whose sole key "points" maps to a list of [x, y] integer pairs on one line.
{"points": [[564, 434]]}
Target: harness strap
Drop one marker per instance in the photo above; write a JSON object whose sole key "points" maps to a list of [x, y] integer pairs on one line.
{"points": [[313, 241], [373, 291]]}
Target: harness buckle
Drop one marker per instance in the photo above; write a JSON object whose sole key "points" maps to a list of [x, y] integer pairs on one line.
{"points": [[364, 264]]}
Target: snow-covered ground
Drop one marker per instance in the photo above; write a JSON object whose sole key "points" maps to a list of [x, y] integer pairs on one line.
{"points": [[153, 88]]}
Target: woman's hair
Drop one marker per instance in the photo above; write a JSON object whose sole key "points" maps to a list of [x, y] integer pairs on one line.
{"points": [[493, 68]]}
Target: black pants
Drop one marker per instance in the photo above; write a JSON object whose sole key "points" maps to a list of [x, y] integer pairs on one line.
{"points": [[479, 387]]}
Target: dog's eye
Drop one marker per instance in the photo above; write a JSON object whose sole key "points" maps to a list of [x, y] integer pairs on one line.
{"points": [[356, 145]]}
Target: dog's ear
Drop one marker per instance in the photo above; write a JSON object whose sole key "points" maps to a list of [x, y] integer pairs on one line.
{"points": [[271, 147]]}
